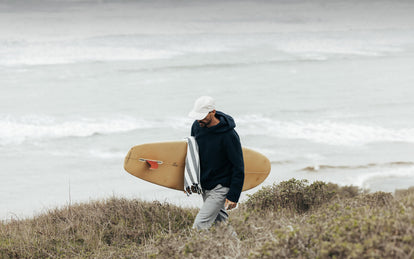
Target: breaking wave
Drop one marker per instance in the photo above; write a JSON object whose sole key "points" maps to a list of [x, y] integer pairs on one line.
{"points": [[15, 130], [18, 130], [365, 180], [348, 167], [325, 132]]}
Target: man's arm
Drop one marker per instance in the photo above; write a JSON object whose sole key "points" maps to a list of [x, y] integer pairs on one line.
{"points": [[235, 155]]}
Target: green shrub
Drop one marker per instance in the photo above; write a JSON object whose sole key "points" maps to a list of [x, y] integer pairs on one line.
{"points": [[340, 222], [348, 191], [294, 194], [82, 229], [368, 226]]}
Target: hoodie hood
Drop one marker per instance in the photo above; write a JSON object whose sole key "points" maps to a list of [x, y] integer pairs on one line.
{"points": [[226, 124]]}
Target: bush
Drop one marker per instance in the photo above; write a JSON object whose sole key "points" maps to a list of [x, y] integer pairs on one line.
{"points": [[80, 230], [294, 194], [348, 191], [340, 222], [366, 227]]}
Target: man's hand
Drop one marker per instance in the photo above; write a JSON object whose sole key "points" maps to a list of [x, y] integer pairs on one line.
{"points": [[229, 204]]}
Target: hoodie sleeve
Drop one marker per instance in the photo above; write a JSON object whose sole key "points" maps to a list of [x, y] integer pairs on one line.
{"points": [[235, 156], [193, 129]]}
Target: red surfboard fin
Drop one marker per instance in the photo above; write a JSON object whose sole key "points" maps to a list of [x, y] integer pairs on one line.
{"points": [[153, 164]]}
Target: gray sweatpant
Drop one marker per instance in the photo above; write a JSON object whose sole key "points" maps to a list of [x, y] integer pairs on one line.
{"points": [[213, 210]]}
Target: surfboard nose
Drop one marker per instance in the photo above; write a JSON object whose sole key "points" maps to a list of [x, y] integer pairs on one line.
{"points": [[127, 159]]}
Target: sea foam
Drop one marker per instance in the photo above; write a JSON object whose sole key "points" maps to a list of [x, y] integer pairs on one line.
{"points": [[16, 130], [365, 180], [324, 131]]}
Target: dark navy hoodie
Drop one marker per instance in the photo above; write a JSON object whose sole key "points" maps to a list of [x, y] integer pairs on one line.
{"points": [[221, 156]]}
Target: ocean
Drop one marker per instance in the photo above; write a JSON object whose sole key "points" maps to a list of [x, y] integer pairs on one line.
{"points": [[324, 89]]}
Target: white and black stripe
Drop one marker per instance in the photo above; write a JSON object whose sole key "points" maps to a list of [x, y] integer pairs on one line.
{"points": [[192, 168]]}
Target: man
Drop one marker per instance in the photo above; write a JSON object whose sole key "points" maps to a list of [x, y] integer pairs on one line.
{"points": [[221, 162]]}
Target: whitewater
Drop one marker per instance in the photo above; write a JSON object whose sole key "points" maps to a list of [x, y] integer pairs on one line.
{"points": [[322, 88]]}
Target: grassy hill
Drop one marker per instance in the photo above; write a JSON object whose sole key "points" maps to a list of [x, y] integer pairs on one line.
{"points": [[293, 219]]}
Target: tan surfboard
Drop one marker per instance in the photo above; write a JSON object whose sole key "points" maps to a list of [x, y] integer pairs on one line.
{"points": [[163, 164]]}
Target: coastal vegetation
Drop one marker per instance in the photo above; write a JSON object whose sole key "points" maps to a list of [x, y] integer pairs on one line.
{"points": [[291, 219]]}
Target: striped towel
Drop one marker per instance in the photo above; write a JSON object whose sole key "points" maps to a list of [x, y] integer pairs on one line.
{"points": [[192, 168]]}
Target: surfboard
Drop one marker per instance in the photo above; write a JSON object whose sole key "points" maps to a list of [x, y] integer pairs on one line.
{"points": [[163, 164]]}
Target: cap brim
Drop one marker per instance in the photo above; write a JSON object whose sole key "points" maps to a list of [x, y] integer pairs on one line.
{"points": [[197, 116]]}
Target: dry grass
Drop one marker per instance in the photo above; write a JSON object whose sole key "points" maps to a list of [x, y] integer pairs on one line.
{"points": [[112, 228], [293, 219]]}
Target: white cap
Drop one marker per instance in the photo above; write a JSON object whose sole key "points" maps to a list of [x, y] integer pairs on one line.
{"points": [[202, 106]]}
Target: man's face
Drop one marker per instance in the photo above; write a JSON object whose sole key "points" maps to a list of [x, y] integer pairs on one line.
{"points": [[206, 121]]}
